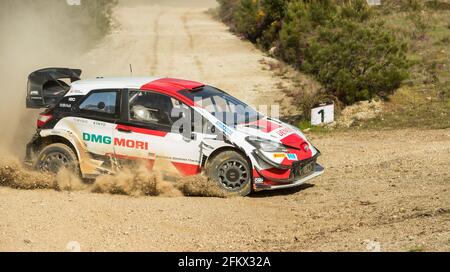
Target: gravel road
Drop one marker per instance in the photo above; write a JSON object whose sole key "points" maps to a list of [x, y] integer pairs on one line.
{"points": [[382, 190]]}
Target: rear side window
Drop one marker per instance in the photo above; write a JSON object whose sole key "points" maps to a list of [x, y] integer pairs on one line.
{"points": [[105, 102]]}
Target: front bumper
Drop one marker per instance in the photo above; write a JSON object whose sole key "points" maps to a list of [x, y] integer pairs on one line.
{"points": [[319, 170], [283, 176], [292, 176]]}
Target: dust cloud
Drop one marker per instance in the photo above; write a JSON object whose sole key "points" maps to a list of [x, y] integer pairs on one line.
{"points": [[141, 182], [49, 33], [34, 35], [137, 180], [14, 175], [133, 181]]}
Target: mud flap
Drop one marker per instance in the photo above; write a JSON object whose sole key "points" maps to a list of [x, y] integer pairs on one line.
{"points": [[31, 147]]}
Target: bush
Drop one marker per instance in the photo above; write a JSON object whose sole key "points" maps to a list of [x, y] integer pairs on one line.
{"points": [[356, 62], [330, 39], [248, 19], [274, 11], [437, 5], [302, 17], [226, 10], [357, 10]]}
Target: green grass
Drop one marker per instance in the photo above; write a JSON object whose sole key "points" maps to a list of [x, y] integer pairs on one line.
{"points": [[307, 127], [410, 107], [417, 248]]}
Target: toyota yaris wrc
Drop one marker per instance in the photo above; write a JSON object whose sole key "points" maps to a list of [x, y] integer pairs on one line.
{"points": [[98, 126]]}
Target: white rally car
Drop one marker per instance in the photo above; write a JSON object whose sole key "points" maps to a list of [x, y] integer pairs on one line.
{"points": [[97, 126]]}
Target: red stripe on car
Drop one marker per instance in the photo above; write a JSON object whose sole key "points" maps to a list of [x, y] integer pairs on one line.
{"points": [[187, 169], [142, 130], [275, 173]]}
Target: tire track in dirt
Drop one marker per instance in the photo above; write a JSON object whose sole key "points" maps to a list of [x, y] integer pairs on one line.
{"points": [[168, 43], [170, 62], [155, 47], [399, 206], [191, 42]]}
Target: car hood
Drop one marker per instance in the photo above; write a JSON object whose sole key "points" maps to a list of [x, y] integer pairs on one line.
{"points": [[274, 130]]}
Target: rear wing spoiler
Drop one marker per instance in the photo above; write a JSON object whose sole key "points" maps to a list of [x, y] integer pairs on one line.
{"points": [[47, 86]]}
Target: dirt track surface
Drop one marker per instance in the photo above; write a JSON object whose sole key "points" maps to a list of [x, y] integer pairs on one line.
{"points": [[391, 187], [182, 41]]}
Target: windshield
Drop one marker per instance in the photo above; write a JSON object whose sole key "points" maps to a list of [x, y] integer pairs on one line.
{"points": [[223, 106]]}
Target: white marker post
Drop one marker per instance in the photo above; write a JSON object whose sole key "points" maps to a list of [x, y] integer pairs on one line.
{"points": [[322, 114]]}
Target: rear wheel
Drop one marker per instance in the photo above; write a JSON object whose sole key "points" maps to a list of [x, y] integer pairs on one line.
{"points": [[231, 171], [55, 157]]}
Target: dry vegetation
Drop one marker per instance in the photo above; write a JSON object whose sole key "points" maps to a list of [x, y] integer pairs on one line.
{"points": [[422, 99]]}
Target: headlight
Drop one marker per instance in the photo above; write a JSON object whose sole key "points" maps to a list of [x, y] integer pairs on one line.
{"points": [[266, 145]]}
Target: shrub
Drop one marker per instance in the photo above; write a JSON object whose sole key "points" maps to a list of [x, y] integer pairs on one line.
{"points": [[412, 5], [248, 19], [437, 5], [226, 10], [357, 10], [330, 39], [274, 11], [301, 20], [356, 62]]}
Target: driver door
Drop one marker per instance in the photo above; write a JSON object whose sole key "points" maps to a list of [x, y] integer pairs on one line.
{"points": [[149, 131]]}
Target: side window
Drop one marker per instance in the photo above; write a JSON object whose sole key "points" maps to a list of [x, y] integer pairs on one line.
{"points": [[154, 108], [105, 102]]}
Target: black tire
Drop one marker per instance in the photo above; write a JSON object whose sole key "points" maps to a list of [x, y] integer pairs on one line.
{"points": [[54, 157], [232, 172]]}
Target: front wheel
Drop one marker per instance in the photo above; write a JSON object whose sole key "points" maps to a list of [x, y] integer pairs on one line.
{"points": [[231, 171], [55, 157]]}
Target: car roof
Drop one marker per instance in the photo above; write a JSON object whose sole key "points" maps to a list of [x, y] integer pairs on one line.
{"points": [[172, 85], [168, 85]]}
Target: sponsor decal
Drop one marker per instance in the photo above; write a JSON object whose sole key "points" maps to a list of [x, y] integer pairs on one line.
{"points": [[100, 124], [292, 157], [258, 180], [224, 128], [99, 139], [279, 155], [81, 121], [127, 143], [65, 105], [177, 159], [130, 143], [285, 131]]}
